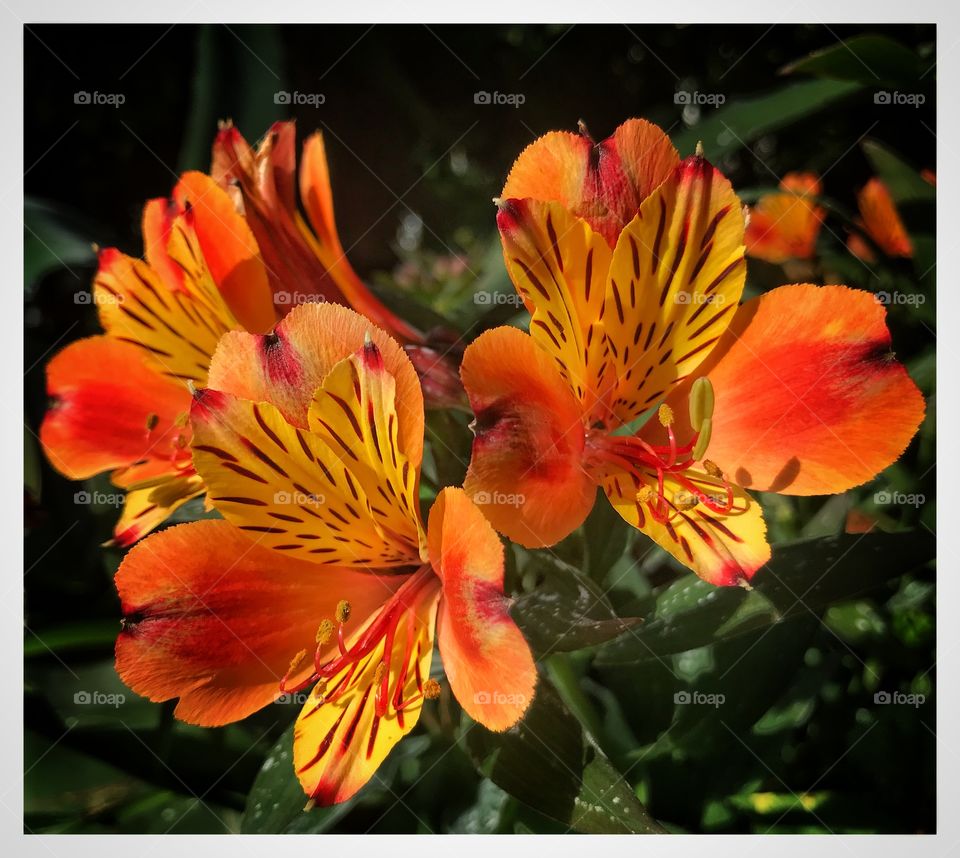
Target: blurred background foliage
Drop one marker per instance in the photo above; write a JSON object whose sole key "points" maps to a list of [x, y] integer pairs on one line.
{"points": [[664, 704]]}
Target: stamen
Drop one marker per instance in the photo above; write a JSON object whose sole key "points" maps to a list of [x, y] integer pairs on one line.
{"points": [[296, 661], [379, 673], [665, 415], [646, 494], [325, 632], [712, 468], [701, 402], [343, 611], [431, 689]]}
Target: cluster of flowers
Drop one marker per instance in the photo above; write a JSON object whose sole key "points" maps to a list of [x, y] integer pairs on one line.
{"points": [[302, 424]]}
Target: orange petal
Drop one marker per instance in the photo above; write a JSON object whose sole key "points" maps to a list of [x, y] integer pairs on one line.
{"points": [[157, 220], [723, 548], [325, 495], [882, 220], [526, 472], [558, 265], [675, 280], [486, 659], [605, 184], [785, 226], [110, 409], [214, 618], [350, 723], [809, 398], [286, 367], [229, 250]]}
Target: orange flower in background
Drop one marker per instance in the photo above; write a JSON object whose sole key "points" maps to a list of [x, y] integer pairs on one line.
{"points": [[310, 440], [305, 259], [881, 221], [120, 401], [632, 264], [785, 225]]}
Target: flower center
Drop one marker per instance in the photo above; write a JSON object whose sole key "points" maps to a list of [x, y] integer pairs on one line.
{"points": [[371, 653], [654, 466]]}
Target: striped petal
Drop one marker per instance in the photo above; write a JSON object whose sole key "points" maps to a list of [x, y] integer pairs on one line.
{"points": [[356, 715], [675, 281], [214, 618], [809, 397], [486, 659], [723, 548], [605, 183], [147, 507], [339, 492], [285, 368], [526, 471], [558, 265]]}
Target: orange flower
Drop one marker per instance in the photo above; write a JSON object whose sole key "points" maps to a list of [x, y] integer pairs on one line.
{"points": [[119, 401], [785, 225], [310, 440], [304, 262], [632, 264], [881, 221]]}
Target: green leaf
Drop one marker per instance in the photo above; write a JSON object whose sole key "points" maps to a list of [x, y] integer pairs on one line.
{"points": [[801, 577], [53, 238], [566, 610], [605, 536], [867, 59], [741, 122], [547, 762]]}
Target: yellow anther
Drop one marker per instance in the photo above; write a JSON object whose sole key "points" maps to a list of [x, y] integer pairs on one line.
{"points": [[703, 441], [712, 468], [646, 494], [701, 402], [379, 673], [665, 415], [325, 632], [296, 661], [343, 611], [431, 689]]}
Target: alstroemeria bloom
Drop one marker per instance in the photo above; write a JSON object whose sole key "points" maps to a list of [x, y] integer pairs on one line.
{"points": [[632, 264], [881, 221], [305, 259], [120, 401], [785, 225], [310, 441]]}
